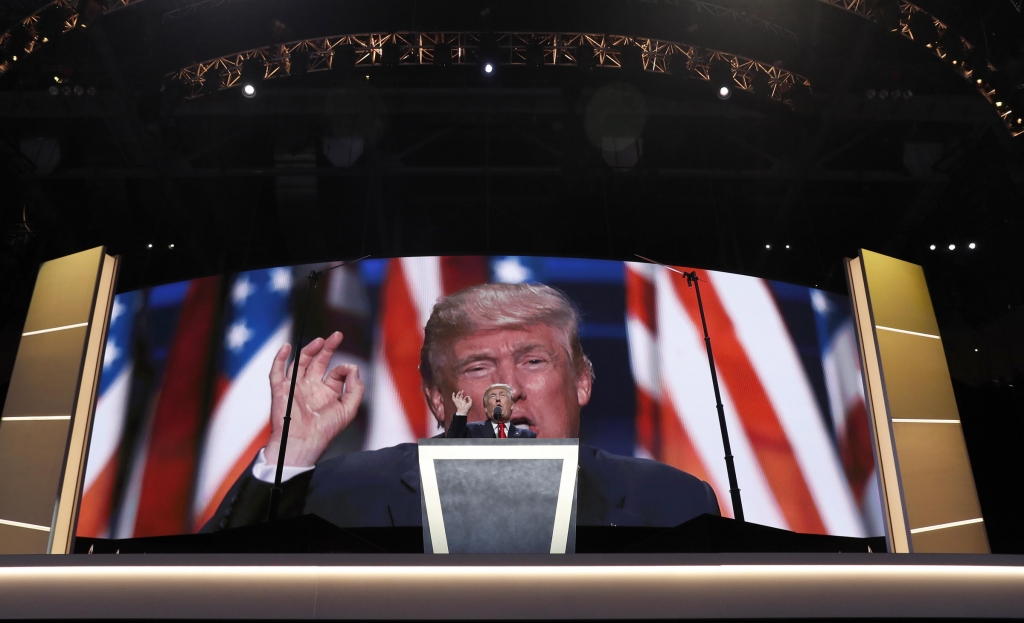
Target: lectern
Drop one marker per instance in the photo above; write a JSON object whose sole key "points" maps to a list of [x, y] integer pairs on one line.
{"points": [[510, 496]]}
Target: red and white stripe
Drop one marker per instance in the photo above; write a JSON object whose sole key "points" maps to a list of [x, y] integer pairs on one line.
{"points": [[789, 473], [101, 470], [412, 285], [238, 428]]}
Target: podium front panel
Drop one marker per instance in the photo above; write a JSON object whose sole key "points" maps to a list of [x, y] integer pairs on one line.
{"points": [[498, 495]]}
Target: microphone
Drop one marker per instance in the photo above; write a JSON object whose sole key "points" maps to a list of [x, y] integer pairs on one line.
{"points": [[497, 413]]}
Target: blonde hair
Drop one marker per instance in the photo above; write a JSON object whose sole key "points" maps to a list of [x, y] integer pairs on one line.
{"points": [[499, 306], [505, 386]]}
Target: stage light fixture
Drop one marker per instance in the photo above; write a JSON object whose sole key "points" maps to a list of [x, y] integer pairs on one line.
{"points": [[999, 103], [54, 89], [442, 54], [932, 247], [298, 62], [720, 73], [586, 57], [871, 93], [972, 246], [170, 246], [253, 72], [488, 57], [768, 246], [343, 60], [79, 90], [883, 94], [390, 55], [787, 246], [149, 246], [534, 55], [631, 58], [952, 247]]}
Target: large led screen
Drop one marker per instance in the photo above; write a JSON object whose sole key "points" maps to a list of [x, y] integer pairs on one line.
{"points": [[185, 396]]}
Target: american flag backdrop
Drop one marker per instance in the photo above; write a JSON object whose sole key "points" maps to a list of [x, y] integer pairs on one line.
{"points": [[788, 460], [94, 515], [185, 398], [257, 323]]}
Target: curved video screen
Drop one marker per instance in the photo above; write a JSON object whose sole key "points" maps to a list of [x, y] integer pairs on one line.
{"points": [[610, 352]]}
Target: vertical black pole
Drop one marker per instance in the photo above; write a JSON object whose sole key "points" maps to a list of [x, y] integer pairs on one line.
{"points": [[275, 493], [734, 487]]}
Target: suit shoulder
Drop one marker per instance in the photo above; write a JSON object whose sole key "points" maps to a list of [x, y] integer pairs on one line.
{"points": [[643, 474], [370, 464]]}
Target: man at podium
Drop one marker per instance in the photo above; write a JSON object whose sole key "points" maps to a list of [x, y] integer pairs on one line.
{"points": [[523, 335], [498, 405]]}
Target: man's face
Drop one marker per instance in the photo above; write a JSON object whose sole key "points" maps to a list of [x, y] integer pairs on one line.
{"points": [[534, 361], [498, 397]]}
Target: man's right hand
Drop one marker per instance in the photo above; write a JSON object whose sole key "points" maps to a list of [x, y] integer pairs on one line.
{"points": [[322, 407]]}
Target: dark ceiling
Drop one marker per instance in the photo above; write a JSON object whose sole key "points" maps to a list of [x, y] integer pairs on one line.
{"points": [[446, 160]]}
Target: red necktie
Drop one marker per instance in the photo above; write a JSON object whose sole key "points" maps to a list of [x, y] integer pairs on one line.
{"points": [[501, 430]]}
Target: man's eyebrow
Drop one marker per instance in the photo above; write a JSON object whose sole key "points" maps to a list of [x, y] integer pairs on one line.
{"points": [[525, 348], [474, 357]]}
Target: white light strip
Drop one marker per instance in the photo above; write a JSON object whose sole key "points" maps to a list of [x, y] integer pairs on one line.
{"points": [[913, 421], [523, 573], [31, 418], [934, 337], [942, 526], [70, 326], [30, 526]]}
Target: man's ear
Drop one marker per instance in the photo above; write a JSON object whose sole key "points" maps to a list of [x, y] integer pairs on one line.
{"points": [[584, 384], [435, 400]]}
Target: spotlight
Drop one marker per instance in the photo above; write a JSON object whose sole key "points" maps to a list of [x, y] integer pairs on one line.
{"points": [[768, 246], [896, 94], [170, 246], [253, 72], [489, 55], [720, 73], [932, 247], [883, 94], [54, 90], [952, 247], [972, 246], [871, 93], [79, 90], [787, 246], [149, 246], [999, 103]]}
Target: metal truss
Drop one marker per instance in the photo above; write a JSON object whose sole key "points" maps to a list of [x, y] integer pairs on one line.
{"points": [[418, 48], [36, 38], [909, 12], [192, 7]]}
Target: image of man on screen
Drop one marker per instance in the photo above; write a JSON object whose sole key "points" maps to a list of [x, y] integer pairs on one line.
{"points": [[498, 407], [525, 335]]}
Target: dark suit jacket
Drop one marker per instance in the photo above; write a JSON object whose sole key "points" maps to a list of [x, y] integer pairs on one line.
{"points": [[483, 430], [382, 488]]}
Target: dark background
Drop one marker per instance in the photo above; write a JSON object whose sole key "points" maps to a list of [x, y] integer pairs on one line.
{"points": [[458, 163]]}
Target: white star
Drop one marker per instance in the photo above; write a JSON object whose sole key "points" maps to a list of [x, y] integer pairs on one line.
{"points": [[510, 270], [110, 353], [238, 335], [116, 311], [820, 302], [280, 280], [242, 290]]}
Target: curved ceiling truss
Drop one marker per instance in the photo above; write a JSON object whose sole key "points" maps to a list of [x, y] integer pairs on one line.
{"points": [[94, 8], [944, 43], [559, 49]]}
